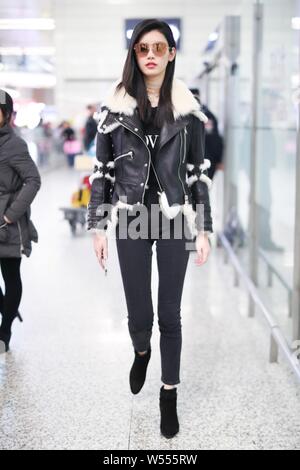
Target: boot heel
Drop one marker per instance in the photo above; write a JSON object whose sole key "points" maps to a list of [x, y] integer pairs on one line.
{"points": [[19, 317], [169, 425]]}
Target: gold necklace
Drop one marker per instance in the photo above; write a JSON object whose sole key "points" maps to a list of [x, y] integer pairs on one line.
{"points": [[153, 92]]}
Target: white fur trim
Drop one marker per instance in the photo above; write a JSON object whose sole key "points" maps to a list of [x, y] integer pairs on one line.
{"points": [[111, 178], [110, 128], [200, 115], [102, 116], [124, 205], [95, 176], [99, 174], [97, 163], [183, 101], [206, 180], [190, 214], [192, 179], [205, 165], [190, 166], [120, 101]]}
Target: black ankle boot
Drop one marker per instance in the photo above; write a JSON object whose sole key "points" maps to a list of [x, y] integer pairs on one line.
{"points": [[5, 331], [4, 339], [138, 371], [18, 316], [169, 424]]}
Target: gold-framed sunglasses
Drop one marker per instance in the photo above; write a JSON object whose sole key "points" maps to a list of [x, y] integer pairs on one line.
{"points": [[158, 48]]}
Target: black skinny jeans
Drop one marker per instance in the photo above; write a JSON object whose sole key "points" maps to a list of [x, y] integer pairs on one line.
{"points": [[10, 302], [135, 258]]}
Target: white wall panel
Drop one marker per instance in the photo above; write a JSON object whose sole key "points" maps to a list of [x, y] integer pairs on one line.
{"points": [[91, 46]]}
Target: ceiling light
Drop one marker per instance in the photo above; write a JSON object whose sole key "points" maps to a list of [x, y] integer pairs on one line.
{"points": [[44, 24], [296, 22], [20, 51]]}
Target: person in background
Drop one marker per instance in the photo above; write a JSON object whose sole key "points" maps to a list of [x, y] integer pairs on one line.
{"points": [[19, 184], [214, 145], [43, 141], [71, 146], [90, 129], [67, 132]]}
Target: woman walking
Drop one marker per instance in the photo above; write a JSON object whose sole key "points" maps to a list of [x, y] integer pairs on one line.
{"points": [[19, 183], [150, 154]]}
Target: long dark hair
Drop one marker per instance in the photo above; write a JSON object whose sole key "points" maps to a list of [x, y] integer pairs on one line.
{"points": [[6, 106], [133, 79]]}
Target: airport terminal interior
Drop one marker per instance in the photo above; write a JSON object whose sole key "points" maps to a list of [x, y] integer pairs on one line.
{"points": [[64, 382]]}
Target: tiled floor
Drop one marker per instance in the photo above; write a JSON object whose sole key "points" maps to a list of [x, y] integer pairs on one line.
{"points": [[64, 385]]}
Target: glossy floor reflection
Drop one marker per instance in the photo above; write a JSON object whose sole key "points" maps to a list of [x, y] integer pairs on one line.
{"points": [[64, 385]]}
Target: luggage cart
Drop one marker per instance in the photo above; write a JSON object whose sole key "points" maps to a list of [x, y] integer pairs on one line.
{"points": [[76, 214]]}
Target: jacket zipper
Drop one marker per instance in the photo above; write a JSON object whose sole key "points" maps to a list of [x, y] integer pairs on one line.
{"points": [[186, 198], [21, 240], [149, 162], [125, 155], [184, 135], [160, 187]]}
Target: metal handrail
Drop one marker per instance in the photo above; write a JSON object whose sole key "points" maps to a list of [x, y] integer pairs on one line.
{"points": [[279, 276], [276, 332], [274, 270]]}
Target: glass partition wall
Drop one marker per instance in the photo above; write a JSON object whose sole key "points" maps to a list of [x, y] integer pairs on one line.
{"points": [[256, 98]]}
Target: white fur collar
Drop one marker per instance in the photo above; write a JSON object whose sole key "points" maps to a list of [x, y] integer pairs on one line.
{"points": [[183, 101]]}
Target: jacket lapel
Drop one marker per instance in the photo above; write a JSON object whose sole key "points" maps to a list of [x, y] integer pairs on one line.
{"points": [[168, 130], [134, 123]]}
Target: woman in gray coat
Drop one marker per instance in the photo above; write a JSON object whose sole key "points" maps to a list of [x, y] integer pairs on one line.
{"points": [[19, 183]]}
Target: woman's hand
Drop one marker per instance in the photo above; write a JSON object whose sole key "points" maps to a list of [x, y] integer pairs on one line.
{"points": [[6, 220], [101, 248], [203, 248]]}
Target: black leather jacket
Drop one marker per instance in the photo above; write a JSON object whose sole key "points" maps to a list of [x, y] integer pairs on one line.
{"points": [[123, 161]]}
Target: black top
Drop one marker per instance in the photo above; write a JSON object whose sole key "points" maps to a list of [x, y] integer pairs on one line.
{"points": [[152, 137]]}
